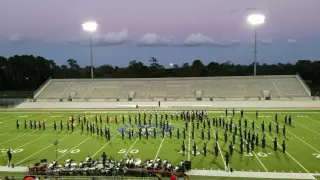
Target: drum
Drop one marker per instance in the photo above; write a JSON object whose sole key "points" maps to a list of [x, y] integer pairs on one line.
{"points": [[137, 162], [99, 166]]}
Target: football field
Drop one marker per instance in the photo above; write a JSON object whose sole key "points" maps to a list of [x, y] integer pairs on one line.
{"points": [[31, 145]]}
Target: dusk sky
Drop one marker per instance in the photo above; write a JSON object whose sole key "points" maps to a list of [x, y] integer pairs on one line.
{"points": [[173, 31]]}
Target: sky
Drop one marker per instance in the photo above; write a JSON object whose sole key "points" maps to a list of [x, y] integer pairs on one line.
{"points": [[172, 31]]}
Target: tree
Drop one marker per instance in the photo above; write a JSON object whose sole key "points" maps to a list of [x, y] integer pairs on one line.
{"points": [[28, 72]]}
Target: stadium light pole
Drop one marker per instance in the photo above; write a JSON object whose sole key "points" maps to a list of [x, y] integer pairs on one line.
{"points": [[255, 20], [90, 27]]}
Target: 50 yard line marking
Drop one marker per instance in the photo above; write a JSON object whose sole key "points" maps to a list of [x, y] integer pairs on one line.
{"points": [[253, 153], [131, 146], [104, 146], [18, 163], [281, 147]]}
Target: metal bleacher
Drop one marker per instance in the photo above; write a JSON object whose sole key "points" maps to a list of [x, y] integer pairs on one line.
{"points": [[209, 88]]}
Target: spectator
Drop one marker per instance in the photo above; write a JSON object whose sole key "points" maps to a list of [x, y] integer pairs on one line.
{"points": [[173, 177]]}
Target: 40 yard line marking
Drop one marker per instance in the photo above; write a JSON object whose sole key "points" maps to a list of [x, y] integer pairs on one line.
{"points": [[254, 153], [104, 146], [18, 163], [74, 148], [280, 147]]}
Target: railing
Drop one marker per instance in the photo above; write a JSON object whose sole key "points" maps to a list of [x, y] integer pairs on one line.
{"points": [[304, 83], [84, 177], [42, 85]]}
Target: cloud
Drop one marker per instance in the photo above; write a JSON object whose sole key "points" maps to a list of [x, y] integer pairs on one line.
{"points": [[19, 39], [152, 39], [265, 41], [201, 40], [292, 40], [111, 38]]}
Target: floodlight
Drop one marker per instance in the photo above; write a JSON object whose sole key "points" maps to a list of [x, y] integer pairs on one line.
{"points": [[256, 19], [90, 26]]}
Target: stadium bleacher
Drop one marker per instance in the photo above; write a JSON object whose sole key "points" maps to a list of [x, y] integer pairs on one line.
{"points": [[287, 87]]}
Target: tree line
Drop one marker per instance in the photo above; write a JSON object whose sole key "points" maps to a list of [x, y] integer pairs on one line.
{"points": [[28, 72]]}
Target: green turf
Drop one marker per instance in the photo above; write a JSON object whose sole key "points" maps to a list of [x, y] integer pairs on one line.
{"points": [[32, 145]]}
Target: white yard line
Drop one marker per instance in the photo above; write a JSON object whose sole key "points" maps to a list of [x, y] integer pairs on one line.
{"points": [[16, 117], [299, 138], [30, 142], [6, 117], [131, 146], [4, 133], [313, 120], [255, 155], [165, 134], [18, 163], [104, 146], [303, 126], [74, 147], [13, 139], [189, 145], [155, 157], [281, 147], [224, 163]]}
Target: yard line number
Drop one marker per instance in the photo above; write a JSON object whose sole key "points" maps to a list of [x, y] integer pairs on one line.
{"points": [[316, 154], [14, 150], [73, 151], [133, 151], [260, 154]]}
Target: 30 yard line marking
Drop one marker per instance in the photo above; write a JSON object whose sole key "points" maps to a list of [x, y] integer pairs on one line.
{"points": [[224, 163], [4, 133], [313, 120], [104, 146], [254, 153], [303, 126], [13, 116], [13, 139], [29, 142], [18, 163], [74, 147], [299, 139], [131, 146], [281, 147]]}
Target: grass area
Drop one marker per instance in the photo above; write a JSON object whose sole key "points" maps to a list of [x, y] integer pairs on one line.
{"points": [[30, 145]]}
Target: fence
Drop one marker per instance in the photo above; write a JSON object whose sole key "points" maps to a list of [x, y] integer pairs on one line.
{"points": [[86, 177], [10, 102]]}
